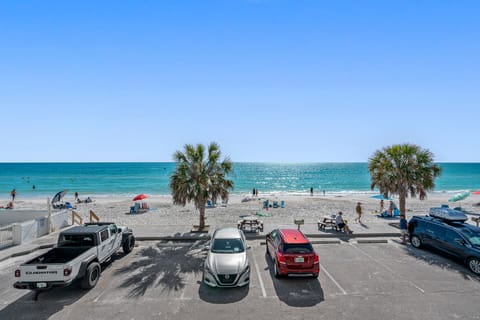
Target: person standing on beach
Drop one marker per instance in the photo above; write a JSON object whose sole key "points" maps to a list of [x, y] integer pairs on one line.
{"points": [[311, 191], [76, 196], [13, 193], [358, 209], [381, 205], [403, 228]]}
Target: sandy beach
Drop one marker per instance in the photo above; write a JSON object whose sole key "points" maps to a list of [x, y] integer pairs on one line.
{"points": [[309, 208]]}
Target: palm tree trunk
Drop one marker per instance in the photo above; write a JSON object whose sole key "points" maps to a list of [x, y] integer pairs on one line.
{"points": [[201, 224], [402, 200]]}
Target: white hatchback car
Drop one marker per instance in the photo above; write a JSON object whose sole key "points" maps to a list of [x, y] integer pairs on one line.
{"points": [[227, 263]]}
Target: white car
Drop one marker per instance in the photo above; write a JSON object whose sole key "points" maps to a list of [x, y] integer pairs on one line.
{"points": [[227, 263]]}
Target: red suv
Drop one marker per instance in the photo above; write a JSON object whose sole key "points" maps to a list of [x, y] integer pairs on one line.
{"points": [[292, 253]]}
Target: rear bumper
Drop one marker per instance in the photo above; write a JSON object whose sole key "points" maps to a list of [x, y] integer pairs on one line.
{"points": [[38, 285], [285, 270]]}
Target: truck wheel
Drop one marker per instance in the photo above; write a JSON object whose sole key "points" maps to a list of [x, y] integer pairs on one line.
{"points": [[128, 244], [91, 276]]}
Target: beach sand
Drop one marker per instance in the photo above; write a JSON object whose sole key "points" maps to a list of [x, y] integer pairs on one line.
{"points": [[309, 208]]}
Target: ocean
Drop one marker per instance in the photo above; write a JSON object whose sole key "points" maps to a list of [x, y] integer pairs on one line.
{"points": [[33, 180]]}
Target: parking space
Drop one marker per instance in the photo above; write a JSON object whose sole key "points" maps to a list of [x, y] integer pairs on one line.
{"points": [[164, 281]]}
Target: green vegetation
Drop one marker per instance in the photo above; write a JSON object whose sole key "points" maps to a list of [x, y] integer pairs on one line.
{"points": [[403, 169], [198, 178]]}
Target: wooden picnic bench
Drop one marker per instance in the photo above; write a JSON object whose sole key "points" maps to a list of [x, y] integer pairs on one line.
{"points": [[250, 223], [328, 221]]}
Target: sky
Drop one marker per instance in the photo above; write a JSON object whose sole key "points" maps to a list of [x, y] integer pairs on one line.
{"points": [[268, 80]]}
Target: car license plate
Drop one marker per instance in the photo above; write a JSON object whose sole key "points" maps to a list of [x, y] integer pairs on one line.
{"points": [[41, 284], [299, 260]]}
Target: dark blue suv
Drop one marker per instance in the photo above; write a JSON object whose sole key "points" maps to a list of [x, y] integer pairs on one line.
{"points": [[458, 239]]}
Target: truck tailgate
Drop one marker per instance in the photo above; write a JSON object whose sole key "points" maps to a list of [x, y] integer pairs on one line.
{"points": [[42, 273]]}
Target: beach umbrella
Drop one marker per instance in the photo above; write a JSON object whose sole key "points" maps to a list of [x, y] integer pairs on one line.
{"points": [[139, 197], [459, 196], [380, 197], [59, 196]]}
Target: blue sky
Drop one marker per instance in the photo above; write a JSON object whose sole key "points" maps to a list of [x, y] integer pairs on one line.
{"points": [[270, 81]]}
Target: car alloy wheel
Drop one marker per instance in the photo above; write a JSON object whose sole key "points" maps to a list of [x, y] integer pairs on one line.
{"points": [[474, 265], [416, 242]]}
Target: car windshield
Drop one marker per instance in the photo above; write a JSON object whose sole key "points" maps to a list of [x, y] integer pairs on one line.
{"points": [[472, 236], [297, 248], [227, 246]]}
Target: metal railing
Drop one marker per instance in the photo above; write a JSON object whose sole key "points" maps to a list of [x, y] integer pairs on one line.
{"points": [[6, 236]]}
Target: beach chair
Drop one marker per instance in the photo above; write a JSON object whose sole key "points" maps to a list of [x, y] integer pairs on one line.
{"points": [[275, 204], [265, 204], [135, 208], [282, 204]]}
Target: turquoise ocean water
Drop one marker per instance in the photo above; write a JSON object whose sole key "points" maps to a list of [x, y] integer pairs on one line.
{"points": [[127, 179]]}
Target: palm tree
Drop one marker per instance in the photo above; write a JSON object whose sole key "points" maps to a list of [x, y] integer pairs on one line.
{"points": [[197, 179], [403, 169]]}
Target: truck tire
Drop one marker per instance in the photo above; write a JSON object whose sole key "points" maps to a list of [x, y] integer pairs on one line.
{"points": [[128, 244], [91, 276]]}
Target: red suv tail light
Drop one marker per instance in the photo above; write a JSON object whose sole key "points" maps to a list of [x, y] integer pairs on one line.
{"points": [[17, 273], [281, 258], [316, 259]]}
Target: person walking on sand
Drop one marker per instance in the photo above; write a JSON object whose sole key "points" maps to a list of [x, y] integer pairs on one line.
{"points": [[311, 191], [382, 204], [76, 196], [358, 209], [13, 193]]}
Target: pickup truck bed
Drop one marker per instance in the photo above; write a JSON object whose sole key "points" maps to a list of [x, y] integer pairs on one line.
{"points": [[58, 255]]}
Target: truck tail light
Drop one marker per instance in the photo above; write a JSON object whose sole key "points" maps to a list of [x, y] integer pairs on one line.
{"points": [[17, 273], [67, 271]]}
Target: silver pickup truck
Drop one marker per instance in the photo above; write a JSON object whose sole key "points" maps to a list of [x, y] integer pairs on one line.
{"points": [[79, 253]]}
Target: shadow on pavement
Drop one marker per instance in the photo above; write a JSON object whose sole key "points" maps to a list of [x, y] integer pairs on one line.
{"points": [[296, 291], [163, 266], [443, 260], [222, 295], [49, 303]]}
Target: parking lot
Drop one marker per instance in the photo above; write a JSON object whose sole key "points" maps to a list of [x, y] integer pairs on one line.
{"points": [[163, 281]]}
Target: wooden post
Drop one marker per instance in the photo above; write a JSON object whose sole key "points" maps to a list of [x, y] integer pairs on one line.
{"points": [[93, 217], [76, 218]]}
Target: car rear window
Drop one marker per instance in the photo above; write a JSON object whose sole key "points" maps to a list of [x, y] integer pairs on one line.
{"points": [[297, 248], [227, 246]]}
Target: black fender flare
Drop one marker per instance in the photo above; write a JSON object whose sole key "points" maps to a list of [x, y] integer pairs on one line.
{"points": [[126, 234], [84, 266]]}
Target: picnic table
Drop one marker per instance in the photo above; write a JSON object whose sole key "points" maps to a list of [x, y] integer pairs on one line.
{"points": [[250, 223], [327, 221]]}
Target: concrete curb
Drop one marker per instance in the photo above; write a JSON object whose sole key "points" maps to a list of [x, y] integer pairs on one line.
{"points": [[249, 237]]}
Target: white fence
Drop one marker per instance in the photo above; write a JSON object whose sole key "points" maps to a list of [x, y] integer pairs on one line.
{"points": [[6, 236], [17, 233]]}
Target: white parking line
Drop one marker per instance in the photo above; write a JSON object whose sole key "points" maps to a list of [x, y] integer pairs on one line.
{"points": [[386, 267], [264, 293], [322, 268], [188, 278]]}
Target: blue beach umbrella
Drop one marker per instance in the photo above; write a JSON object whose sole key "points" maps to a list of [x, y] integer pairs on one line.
{"points": [[380, 197], [459, 196], [59, 196]]}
